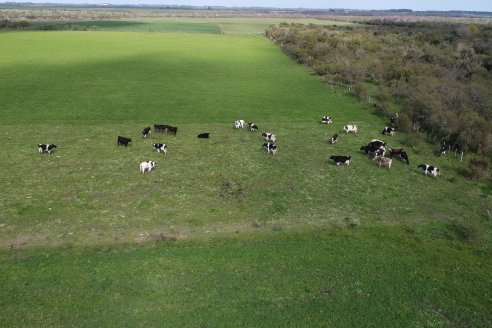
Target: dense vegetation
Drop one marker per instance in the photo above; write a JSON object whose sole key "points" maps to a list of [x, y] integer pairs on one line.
{"points": [[438, 75]]}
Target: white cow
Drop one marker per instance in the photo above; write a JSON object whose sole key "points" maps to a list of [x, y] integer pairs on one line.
{"points": [[350, 128], [239, 124], [147, 166]]}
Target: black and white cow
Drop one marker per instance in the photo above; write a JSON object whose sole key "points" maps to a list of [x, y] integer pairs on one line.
{"points": [[442, 150], [147, 166], [204, 135], [350, 128], [270, 147], [388, 130], [46, 148], [160, 147], [123, 141], [380, 152], [341, 159], [252, 126], [374, 148], [146, 132], [269, 136], [326, 120], [394, 118], [239, 124], [334, 139], [428, 169], [377, 141]]}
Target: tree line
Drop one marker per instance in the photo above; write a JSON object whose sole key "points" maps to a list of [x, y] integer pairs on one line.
{"points": [[436, 75]]}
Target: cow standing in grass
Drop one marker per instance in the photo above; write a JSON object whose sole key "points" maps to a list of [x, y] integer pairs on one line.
{"points": [[146, 132], [123, 141], [46, 148], [429, 169], [147, 166], [350, 128]]}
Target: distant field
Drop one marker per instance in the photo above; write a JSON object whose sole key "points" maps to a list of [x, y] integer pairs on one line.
{"points": [[221, 233], [186, 25]]}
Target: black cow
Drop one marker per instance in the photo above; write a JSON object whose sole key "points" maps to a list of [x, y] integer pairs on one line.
{"points": [[334, 139], [161, 127], [165, 128], [123, 141], [146, 132], [204, 135], [404, 157], [428, 169], [48, 148], [172, 129], [341, 159]]}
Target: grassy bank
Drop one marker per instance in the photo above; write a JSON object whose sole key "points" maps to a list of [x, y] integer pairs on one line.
{"points": [[341, 277]]}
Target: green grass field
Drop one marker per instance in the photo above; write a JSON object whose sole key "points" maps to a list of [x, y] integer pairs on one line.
{"points": [[257, 240]]}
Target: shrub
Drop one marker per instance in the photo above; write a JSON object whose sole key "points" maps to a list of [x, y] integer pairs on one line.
{"points": [[478, 169]]}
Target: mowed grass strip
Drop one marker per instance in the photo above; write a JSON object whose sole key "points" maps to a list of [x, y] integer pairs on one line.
{"points": [[81, 90], [377, 277]]}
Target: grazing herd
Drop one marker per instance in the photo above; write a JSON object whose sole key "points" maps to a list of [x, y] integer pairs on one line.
{"points": [[375, 148]]}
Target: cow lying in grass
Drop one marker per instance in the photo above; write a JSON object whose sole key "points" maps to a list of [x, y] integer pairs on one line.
{"points": [[46, 148], [334, 139], [147, 166]]}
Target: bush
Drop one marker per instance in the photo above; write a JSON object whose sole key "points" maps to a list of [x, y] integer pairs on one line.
{"points": [[478, 169]]}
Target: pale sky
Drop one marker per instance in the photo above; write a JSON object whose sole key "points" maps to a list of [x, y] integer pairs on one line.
{"points": [[418, 5]]}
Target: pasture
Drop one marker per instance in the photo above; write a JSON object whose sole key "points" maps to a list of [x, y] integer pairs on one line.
{"points": [[219, 211]]}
